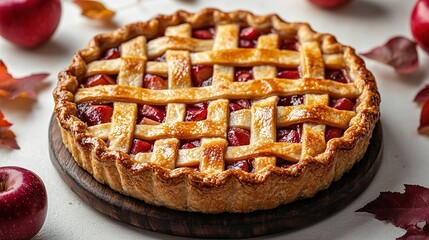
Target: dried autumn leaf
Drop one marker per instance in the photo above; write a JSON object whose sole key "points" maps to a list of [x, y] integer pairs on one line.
{"points": [[19, 87], [398, 52], [424, 119], [422, 95], [401, 209], [416, 233], [7, 137], [95, 10]]}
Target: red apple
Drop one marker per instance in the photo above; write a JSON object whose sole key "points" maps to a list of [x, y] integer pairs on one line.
{"points": [[29, 23], [23, 203], [420, 24], [329, 3]]}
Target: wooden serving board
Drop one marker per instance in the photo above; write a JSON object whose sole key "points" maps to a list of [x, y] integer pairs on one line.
{"points": [[226, 225]]}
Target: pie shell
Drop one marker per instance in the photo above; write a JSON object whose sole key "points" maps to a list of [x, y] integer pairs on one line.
{"points": [[227, 191]]}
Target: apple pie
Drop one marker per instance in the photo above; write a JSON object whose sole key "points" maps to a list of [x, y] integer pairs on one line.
{"points": [[216, 111]]}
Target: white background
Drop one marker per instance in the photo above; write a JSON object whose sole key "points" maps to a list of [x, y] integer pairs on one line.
{"points": [[363, 24]]}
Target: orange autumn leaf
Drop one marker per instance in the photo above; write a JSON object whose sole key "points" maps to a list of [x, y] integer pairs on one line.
{"points": [[95, 10], [7, 137], [11, 87]]}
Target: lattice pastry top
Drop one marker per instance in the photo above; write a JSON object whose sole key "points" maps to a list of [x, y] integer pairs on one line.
{"points": [[216, 112]]}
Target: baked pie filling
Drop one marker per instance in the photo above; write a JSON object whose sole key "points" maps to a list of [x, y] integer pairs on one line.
{"points": [[216, 112]]}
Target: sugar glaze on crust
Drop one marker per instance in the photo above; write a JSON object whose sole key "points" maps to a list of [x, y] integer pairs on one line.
{"points": [[215, 190]]}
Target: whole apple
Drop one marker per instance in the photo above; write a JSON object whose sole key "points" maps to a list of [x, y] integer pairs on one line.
{"points": [[420, 24], [29, 23], [329, 3], [23, 203]]}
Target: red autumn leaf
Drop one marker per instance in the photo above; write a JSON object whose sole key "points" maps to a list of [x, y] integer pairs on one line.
{"points": [[422, 95], [401, 209], [424, 119], [7, 137], [416, 233], [19, 87], [398, 52], [95, 10]]}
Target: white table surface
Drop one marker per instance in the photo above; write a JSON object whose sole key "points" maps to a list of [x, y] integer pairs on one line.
{"points": [[362, 24]]}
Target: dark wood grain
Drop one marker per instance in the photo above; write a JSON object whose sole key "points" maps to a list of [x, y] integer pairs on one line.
{"points": [[227, 225]]}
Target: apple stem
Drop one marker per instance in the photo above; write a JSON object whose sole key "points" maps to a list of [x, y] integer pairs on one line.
{"points": [[3, 186]]}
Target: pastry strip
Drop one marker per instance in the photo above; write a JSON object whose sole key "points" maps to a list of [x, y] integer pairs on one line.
{"points": [[125, 114]]}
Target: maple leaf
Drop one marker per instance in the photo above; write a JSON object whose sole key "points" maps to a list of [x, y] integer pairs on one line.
{"points": [[398, 52], [19, 87], [422, 95], [401, 209], [424, 119], [95, 10], [7, 137]]}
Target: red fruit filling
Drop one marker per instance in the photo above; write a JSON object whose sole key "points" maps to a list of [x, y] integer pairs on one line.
{"points": [[336, 75], [342, 104], [196, 112], [247, 43], [99, 79], [207, 33], [291, 100], [234, 107], [202, 75], [155, 113], [154, 82], [288, 135], [238, 137], [244, 165], [188, 144], [141, 146], [333, 132], [160, 58], [248, 37], [289, 44], [94, 114], [243, 74], [112, 53], [289, 74], [282, 163], [249, 33], [239, 104]]}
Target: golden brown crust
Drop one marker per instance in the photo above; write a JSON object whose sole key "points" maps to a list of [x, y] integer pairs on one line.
{"points": [[219, 191]]}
